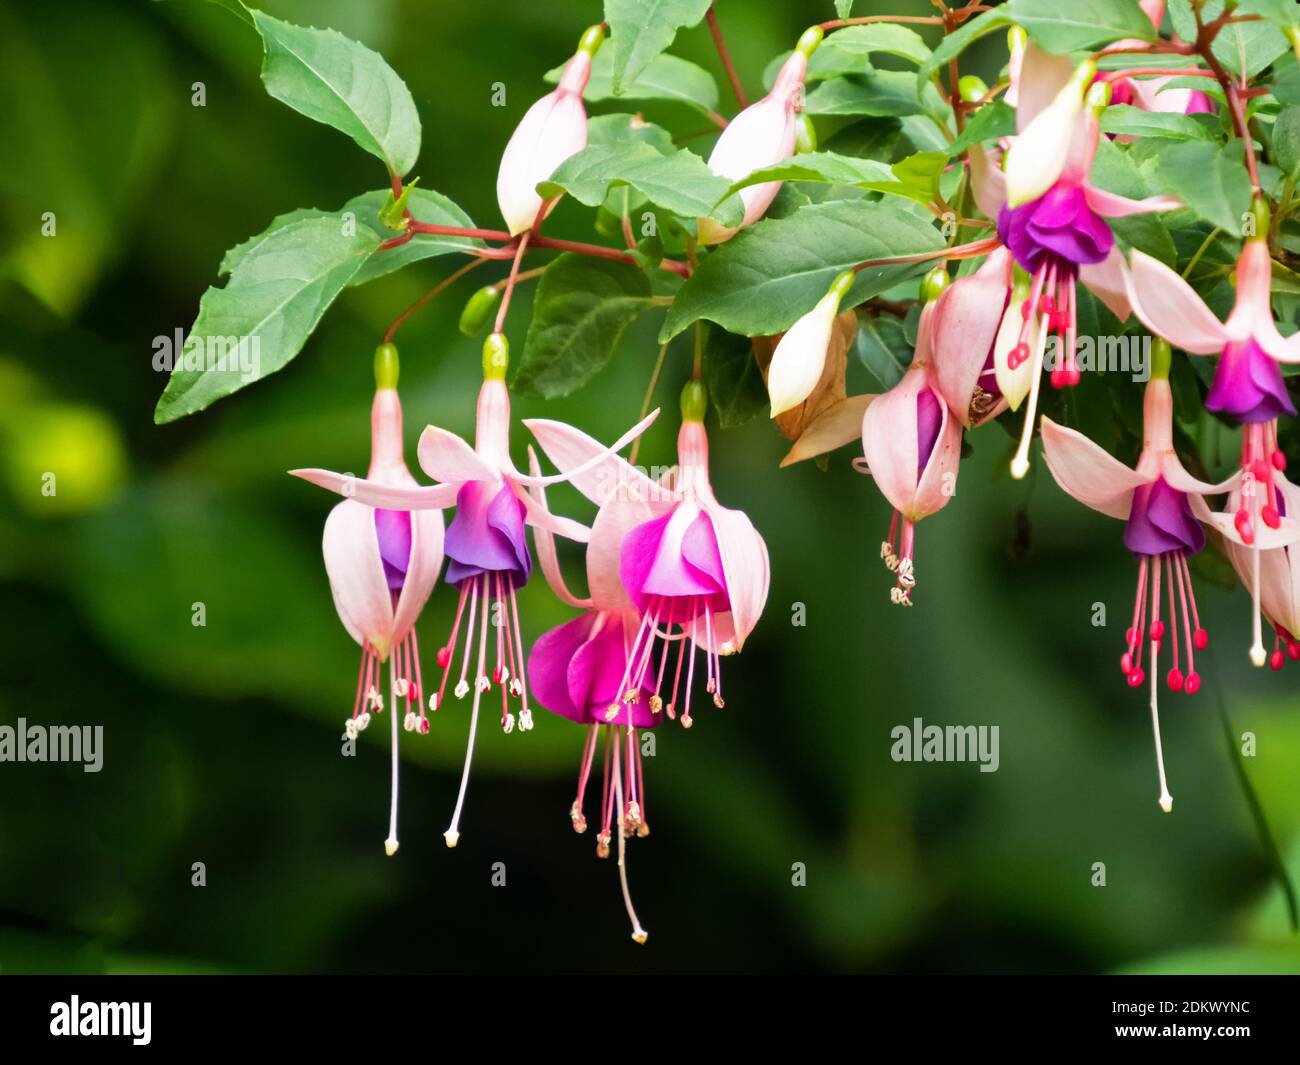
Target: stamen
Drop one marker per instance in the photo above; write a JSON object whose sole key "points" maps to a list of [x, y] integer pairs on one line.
{"points": [[452, 835], [639, 934], [525, 715], [390, 844], [448, 650], [1020, 464], [584, 773]]}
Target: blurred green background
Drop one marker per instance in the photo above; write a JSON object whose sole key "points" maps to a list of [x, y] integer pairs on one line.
{"points": [[222, 742]]}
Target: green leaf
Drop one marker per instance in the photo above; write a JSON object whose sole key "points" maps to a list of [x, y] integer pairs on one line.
{"points": [[1071, 27], [735, 383], [621, 128], [1287, 85], [640, 30], [426, 206], [844, 8], [1286, 139], [680, 183], [960, 39], [995, 119], [878, 92], [581, 309], [1209, 178], [768, 275], [887, 37], [821, 166], [883, 347], [276, 295], [665, 78], [1258, 42], [334, 80], [1282, 13], [1124, 120]]}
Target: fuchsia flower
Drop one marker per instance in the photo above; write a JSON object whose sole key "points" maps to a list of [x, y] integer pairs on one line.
{"points": [[1247, 386], [1150, 94], [911, 445], [1273, 575], [552, 130], [976, 321], [1053, 219], [684, 560], [382, 565], [762, 135], [1160, 502], [488, 557]]}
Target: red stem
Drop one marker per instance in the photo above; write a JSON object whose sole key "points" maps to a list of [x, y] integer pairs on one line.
{"points": [[725, 56]]}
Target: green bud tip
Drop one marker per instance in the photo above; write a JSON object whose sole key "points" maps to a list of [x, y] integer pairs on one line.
{"points": [[592, 38], [496, 357], [1098, 98], [478, 308], [805, 133], [387, 366], [971, 89], [841, 285], [695, 401], [934, 283], [393, 213], [811, 38], [1260, 213], [1162, 357], [1017, 38], [1083, 75]]}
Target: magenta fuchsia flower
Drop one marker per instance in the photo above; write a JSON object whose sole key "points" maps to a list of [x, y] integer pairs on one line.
{"points": [[1162, 506], [382, 565], [487, 552], [911, 445], [686, 562], [1247, 386], [552, 130], [1053, 219], [762, 135]]}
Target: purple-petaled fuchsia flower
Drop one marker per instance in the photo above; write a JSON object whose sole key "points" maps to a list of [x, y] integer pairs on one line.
{"points": [[911, 445], [686, 562], [1053, 219], [1247, 386], [1162, 506], [382, 565], [486, 549]]}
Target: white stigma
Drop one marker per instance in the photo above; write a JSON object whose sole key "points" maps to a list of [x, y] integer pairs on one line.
{"points": [[390, 847], [451, 836]]}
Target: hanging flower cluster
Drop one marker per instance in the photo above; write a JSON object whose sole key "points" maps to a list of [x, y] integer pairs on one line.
{"points": [[1066, 203]]}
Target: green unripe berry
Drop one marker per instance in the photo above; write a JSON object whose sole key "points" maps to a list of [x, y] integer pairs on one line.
{"points": [[387, 366], [695, 401], [478, 309]]}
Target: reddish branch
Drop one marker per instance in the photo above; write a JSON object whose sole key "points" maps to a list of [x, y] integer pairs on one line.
{"points": [[725, 56]]}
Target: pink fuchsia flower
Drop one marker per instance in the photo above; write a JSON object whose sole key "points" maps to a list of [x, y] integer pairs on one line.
{"points": [[552, 130], [488, 557], [1150, 94], [762, 135], [1248, 384], [686, 563], [1161, 505], [577, 671], [976, 323], [911, 445], [382, 565]]}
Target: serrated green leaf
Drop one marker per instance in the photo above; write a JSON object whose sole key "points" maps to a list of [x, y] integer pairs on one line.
{"points": [[640, 30], [844, 8], [882, 346], [821, 166], [276, 295], [1080, 24], [1260, 43], [1210, 179], [337, 81], [665, 78], [621, 128], [1124, 120], [680, 183], [995, 119], [581, 309], [735, 383], [887, 37], [768, 275]]}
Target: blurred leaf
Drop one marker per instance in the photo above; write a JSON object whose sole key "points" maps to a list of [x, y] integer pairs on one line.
{"points": [[995, 119], [1122, 119], [337, 81], [276, 295], [879, 92], [640, 30], [887, 37], [735, 384], [582, 307], [78, 446], [953, 44], [1081, 24], [1258, 42], [1209, 178], [1286, 139], [620, 129], [769, 274]]}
